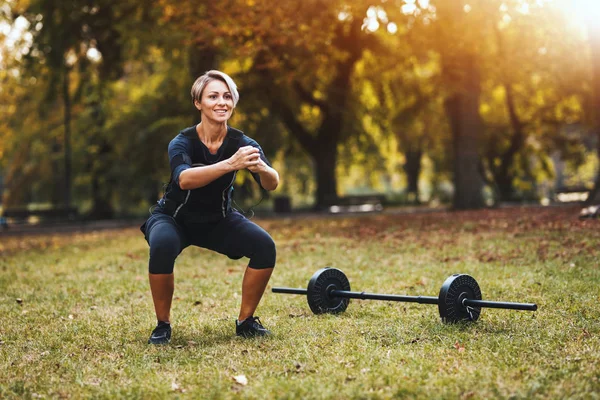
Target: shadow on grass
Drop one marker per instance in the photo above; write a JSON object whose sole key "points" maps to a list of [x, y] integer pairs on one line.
{"points": [[208, 337], [466, 327]]}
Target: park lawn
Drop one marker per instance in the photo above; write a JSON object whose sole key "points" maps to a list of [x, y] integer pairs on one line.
{"points": [[76, 313]]}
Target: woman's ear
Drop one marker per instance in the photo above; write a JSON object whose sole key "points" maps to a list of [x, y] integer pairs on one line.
{"points": [[197, 105]]}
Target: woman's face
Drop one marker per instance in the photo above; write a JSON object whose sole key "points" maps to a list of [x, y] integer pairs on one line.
{"points": [[216, 103]]}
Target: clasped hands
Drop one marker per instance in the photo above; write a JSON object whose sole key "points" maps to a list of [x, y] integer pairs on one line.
{"points": [[247, 157]]}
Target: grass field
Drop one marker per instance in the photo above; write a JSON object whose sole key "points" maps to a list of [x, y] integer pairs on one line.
{"points": [[76, 313]]}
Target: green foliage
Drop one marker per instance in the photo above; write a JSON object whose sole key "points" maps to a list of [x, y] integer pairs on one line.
{"points": [[360, 88]]}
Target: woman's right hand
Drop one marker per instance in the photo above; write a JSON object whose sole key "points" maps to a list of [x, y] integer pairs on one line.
{"points": [[245, 157]]}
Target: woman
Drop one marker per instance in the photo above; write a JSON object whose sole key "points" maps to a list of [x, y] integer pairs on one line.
{"points": [[196, 207]]}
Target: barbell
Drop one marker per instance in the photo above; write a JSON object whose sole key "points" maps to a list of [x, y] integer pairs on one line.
{"points": [[459, 299]]}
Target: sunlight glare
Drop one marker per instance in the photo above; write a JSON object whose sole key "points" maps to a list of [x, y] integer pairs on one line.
{"points": [[382, 15], [4, 28], [343, 16], [70, 58], [579, 11], [16, 35], [392, 28], [523, 8], [21, 23], [93, 55], [409, 8], [590, 9], [5, 9], [372, 25]]}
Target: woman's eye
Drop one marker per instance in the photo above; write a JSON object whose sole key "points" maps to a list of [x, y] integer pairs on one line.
{"points": [[227, 96], [212, 96]]}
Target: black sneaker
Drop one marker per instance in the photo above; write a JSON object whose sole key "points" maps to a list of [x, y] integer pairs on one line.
{"points": [[161, 334], [250, 327]]}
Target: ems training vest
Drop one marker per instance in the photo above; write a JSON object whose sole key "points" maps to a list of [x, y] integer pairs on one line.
{"points": [[208, 203]]}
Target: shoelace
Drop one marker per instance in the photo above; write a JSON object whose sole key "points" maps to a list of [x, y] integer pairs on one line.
{"points": [[255, 321], [161, 328]]}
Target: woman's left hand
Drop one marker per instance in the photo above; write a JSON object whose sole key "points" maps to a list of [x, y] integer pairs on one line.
{"points": [[260, 167], [269, 178]]}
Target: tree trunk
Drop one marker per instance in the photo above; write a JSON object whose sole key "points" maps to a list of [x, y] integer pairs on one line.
{"points": [[201, 59], [459, 43], [67, 137], [412, 168], [503, 175], [322, 146], [330, 131], [56, 195], [325, 164], [504, 186], [102, 181], [594, 35], [462, 108], [325, 154], [102, 207]]}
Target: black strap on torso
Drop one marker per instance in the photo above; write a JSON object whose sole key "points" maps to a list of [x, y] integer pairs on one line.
{"points": [[233, 136], [174, 196]]}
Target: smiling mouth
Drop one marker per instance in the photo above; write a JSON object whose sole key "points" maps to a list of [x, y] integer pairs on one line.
{"points": [[221, 111]]}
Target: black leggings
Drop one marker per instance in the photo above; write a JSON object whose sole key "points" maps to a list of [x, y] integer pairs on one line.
{"points": [[234, 236]]}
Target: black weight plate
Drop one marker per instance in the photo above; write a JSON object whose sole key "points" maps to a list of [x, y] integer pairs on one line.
{"points": [[320, 285], [453, 291]]}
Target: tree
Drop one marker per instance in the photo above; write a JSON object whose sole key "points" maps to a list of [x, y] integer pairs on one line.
{"points": [[81, 46], [594, 40], [63, 34], [408, 104], [305, 83], [455, 34], [322, 141], [533, 93]]}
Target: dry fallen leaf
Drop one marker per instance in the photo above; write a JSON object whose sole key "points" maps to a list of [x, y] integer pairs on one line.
{"points": [[459, 347], [132, 256], [241, 379], [176, 388]]}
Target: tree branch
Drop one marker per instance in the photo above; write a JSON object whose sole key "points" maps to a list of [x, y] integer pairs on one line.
{"points": [[307, 97], [287, 115]]}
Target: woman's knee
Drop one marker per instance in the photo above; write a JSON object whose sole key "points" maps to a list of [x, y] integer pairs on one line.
{"points": [[163, 252], [265, 253]]}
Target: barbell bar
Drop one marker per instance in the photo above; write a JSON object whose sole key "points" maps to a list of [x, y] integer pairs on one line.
{"points": [[459, 299]]}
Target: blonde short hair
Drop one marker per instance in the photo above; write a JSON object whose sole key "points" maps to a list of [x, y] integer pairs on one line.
{"points": [[209, 76]]}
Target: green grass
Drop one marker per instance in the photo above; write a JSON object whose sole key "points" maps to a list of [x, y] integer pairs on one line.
{"points": [[80, 328]]}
